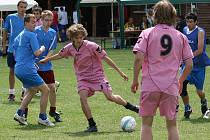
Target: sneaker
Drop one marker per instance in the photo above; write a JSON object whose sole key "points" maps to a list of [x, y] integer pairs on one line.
{"points": [[57, 84], [187, 114], [207, 114], [21, 120], [11, 97], [46, 122], [56, 116], [91, 129]]}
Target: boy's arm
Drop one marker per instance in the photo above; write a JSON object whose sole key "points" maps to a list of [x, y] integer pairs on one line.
{"points": [[187, 70], [50, 58], [200, 44], [4, 41], [113, 65], [138, 60]]}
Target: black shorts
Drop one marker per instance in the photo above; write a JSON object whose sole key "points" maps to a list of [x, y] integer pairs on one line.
{"points": [[10, 60], [47, 76]]}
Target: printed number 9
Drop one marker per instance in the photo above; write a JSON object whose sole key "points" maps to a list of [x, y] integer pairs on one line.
{"points": [[166, 43]]}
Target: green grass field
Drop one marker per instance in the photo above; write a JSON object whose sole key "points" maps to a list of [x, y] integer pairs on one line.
{"points": [[106, 114]]}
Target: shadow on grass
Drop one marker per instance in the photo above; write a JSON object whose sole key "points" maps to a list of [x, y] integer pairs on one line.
{"points": [[84, 134], [34, 127], [197, 120]]}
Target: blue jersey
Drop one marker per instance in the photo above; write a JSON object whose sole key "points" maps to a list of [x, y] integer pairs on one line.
{"points": [[14, 24], [49, 40], [25, 45], [201, 60]]}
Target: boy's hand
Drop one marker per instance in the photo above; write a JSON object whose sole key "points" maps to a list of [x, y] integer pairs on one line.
{"points": [[124, 76], [134, 87]]}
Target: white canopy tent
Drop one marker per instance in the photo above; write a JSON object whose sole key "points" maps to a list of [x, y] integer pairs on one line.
{"points": [[11, 5]]}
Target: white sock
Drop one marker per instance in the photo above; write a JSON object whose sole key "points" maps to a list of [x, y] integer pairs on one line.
{"points": [[12, 91]]}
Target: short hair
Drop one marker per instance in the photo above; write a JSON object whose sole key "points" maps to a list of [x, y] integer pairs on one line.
{"points": [[28, 17], [164, 13], [22, 1], [37, 8], [192, 16], [75, 30], [46, 13]]}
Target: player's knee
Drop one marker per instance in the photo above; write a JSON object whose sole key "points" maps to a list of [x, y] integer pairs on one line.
{"points": [[110, 98]]}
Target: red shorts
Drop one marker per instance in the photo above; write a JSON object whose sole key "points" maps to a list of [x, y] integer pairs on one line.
{"points": [[92, 87], [149, 102], [47, 76]]}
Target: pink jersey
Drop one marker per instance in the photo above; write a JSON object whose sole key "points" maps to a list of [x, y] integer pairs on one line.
{"points": [[87, 61], [164, 49]]}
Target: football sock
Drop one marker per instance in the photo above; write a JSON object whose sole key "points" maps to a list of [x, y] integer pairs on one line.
{"points": [[131, 107], [12, 91], [43, 116], [26, 112], [203, 102], [187, 107], [20, 112], [52, 109], [91, 122]]}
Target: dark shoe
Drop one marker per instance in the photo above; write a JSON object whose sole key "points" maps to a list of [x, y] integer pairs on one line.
{"points": [[91, 129], [11, 97], [187, 114], [56, 116]]}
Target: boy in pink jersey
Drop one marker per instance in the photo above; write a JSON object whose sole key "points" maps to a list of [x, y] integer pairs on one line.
{"points": [[159, 51], [88, 67]]}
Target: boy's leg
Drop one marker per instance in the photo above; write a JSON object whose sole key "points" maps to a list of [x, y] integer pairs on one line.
{"points": [[19, 116], [43, 119], [86, 110], [185, 99], [204, 105], [119, 100], [173, 133], [44, 97], [52, 99], [146, 128], [11, 64]]}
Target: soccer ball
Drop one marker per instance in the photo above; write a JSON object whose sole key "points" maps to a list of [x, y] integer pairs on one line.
{"points": [[128, 124]]}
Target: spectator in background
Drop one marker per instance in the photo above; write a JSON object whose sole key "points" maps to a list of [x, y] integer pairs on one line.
{"points": [[181, 23], [129, 25], [37, 10], [55, 22], [13, 24], [145, 23], [150, 18], [63, 22]]}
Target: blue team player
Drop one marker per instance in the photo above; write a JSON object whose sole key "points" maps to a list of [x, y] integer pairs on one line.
{"points": [[197, 40], [13, 25], [47, 37], [26, 49]]}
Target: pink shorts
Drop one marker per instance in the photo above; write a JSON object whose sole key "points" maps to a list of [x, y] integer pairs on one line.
{"points": [[92, 87], [149, 102]]}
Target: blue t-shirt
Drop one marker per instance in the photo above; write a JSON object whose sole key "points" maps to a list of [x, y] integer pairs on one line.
{"points": [[201, 60], [25, 45], [49, 40], [14, 24]]}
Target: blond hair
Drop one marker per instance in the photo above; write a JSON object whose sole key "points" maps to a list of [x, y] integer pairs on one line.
{"points": [[75, 30], [46, 13], [164, 13]]}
